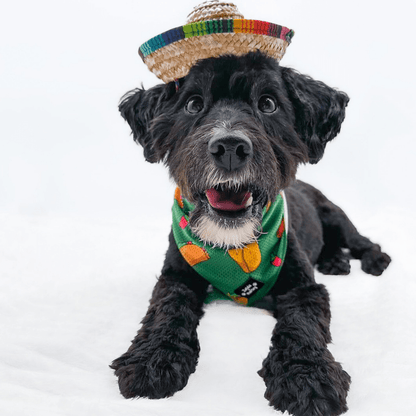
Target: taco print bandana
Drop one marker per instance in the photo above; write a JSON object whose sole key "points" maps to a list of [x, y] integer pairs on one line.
{"points": [[244, 275]]}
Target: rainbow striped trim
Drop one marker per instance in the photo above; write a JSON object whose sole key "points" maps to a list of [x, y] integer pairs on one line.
{"points": [[209, 27]]}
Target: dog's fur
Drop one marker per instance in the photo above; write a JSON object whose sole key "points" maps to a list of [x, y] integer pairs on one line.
{"points": [[223, 99]]}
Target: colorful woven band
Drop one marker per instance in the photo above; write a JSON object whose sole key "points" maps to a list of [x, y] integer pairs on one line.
{"points": [[210, 27]]}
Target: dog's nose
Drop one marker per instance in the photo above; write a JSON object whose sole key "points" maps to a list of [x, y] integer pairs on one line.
{"points": [[230, 153]]}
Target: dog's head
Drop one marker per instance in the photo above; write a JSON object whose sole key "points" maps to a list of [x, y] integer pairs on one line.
{"points": [[233, 136]]}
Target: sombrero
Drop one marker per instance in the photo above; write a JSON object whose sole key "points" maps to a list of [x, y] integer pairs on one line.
{"points": [[213, 28]]}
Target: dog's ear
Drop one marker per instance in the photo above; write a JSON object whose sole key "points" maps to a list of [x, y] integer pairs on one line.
{"points": [[139, 108], [319, 111]]}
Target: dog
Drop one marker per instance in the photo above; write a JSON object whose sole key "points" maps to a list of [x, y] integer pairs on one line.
{"points": [[232, 134]]}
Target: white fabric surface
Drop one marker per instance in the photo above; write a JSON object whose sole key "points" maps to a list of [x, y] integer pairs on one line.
{"points": [[74, 291]]}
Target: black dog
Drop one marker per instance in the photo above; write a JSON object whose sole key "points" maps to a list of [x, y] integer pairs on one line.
{"points": [[241, 126]]}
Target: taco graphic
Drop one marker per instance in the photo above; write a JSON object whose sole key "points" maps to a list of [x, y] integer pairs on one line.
{"points": [[193, 254], [248, 258], [238, 299], [178, 197]]}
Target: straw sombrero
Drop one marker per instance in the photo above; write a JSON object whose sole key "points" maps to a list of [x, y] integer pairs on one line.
{"points": [[213, 28]]}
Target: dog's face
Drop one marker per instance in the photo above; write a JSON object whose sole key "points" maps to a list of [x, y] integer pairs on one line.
{"points": [[233, 136]]}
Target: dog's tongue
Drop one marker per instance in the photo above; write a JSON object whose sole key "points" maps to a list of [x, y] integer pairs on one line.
{"points": [[227, 200]]}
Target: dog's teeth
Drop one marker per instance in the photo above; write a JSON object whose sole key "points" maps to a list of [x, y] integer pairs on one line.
{"points": [[249, 202]]}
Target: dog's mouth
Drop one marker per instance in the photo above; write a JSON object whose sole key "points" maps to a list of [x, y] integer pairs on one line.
{"points": [[233, 201], [228, 200]]}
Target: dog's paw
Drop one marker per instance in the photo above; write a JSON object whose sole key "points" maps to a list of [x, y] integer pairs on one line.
{"points": [[338, 264], [374, 261], [154, 374], [316, 387]]}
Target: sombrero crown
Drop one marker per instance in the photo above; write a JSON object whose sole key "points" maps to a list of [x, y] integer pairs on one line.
{"points": [[213, 29]]}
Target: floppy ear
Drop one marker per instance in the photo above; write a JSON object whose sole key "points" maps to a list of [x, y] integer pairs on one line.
{"points": [[319, 111], [139, 107]]}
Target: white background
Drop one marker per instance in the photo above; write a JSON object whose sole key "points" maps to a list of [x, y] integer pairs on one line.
{"points": [[84, 220]]}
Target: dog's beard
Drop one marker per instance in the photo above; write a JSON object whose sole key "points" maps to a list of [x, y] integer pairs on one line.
{"points": [[216, 235]]}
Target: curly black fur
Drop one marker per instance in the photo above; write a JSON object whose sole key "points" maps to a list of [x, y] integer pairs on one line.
{"points": [[300, 374]]}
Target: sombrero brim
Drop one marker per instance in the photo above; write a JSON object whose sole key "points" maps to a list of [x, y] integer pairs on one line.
{"points": [[172, 54]]}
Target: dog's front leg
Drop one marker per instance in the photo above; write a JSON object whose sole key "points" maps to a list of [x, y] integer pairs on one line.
{"points": [[165, 351], [300, 373]]}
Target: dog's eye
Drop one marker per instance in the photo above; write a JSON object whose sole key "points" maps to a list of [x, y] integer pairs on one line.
{"points": [[267, 104], [194, 105]]}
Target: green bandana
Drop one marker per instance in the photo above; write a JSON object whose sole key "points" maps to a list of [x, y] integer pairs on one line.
{"points": [[244, 275]]}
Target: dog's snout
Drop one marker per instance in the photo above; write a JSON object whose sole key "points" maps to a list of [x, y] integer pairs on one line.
{"points": [[230, 153]]}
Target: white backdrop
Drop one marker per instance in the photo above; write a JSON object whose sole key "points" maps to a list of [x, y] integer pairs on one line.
{"points": [[84, 220]]}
